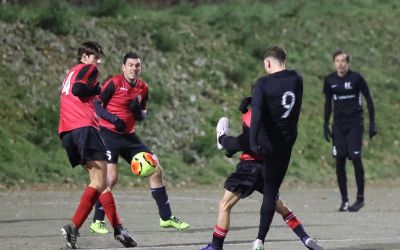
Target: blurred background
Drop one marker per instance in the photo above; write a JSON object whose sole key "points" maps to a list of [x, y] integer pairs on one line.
{"points": [[200, 59]]}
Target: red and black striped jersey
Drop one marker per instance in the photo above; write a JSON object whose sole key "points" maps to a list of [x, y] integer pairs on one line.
{"points": [[77, 112], [117, 102]]}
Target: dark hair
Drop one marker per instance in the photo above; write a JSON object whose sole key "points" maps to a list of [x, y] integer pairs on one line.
{"points": [[90, 48], [339, 52], [130, 55], [277, 53]]}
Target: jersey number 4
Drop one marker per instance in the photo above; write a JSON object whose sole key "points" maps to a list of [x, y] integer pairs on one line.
{"points": [[288, 100], [67, 84]]}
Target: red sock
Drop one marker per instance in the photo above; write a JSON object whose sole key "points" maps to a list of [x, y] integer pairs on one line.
{"points": [[88, 199], [220, 232], [291, 220], [107, 200]]}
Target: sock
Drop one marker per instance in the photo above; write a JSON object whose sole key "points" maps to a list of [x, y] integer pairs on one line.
{"points": [[219, 237], [221, 139], [98, 212], [341, 178], [359, 173], [88, 198], [292, 222], [160, 195], [107, 199]]}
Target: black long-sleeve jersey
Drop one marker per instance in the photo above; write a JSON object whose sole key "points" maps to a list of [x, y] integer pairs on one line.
{"points": [[276, 103], [345, 92]]}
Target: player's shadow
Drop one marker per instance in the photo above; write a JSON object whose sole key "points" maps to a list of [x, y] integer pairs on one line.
{"points": [[32, 220], [373, 246]]}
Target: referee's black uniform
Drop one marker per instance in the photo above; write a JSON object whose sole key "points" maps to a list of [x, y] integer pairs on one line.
{"points": [[348, 125]]}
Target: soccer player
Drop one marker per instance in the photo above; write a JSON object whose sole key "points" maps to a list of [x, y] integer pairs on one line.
{"points": [[276, 102], [79, 132], [344, 88], [242, 182], [122, 102]]}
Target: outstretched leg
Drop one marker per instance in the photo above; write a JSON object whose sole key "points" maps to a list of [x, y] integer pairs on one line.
{"points": [[291, 220]]}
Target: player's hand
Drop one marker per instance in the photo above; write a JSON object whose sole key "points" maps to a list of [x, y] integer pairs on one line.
{"points": [[372, 130], [327, 132], [135, 105], [119, 124], [244, 104]]}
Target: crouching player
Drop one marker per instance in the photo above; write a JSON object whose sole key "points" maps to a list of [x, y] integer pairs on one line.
{"points": [[244, 181]]}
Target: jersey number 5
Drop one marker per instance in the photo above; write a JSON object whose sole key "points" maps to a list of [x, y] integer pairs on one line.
{"points": [[67, 84], [288, 104]]}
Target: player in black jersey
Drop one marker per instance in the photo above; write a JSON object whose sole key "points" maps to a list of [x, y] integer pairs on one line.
{"points": [[344, 88], [276, 103]]}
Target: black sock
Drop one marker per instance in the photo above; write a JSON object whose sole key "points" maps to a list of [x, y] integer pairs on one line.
{"points": [[341, 178], [219, 236], [98, 212], [161, 197], [359, 173]]}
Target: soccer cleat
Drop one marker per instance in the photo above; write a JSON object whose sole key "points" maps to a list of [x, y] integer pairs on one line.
{"points": [[222, 129], [71, 233], [174, 222], [344, 206], [357, 205], [210, 247], [122, 235], [310, 243], [98, 227], [258, 245]]}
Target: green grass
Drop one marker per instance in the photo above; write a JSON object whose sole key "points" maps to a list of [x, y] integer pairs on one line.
{"points": [[199, 61]]}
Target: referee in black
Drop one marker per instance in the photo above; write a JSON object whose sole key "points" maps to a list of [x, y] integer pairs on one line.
{"points": [[343, 88], [276, 102]]}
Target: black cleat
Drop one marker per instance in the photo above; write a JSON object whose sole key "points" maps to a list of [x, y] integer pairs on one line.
{"points": [[344, 206], [356, 206], [122, 235], [71, 233]]}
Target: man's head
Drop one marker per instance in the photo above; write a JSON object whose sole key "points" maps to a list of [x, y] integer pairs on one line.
{"points": [[274, 59], [341, 59], [131, 66], [90, 53]]}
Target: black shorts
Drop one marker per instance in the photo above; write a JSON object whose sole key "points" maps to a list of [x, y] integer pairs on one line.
{"points": [[347, 140], [83, 145], [247, 178], [126, 145]]}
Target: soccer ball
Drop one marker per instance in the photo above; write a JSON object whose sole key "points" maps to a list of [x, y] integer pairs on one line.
{"points": [[144, 164]]}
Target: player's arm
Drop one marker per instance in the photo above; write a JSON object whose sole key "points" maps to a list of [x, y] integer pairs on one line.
{"points": [[327, 110], [139, 108], [101, 102], [86, 84], [257, 104], [370, 106]]}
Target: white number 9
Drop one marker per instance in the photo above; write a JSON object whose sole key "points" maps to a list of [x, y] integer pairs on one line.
{"points": [[286, 105]]}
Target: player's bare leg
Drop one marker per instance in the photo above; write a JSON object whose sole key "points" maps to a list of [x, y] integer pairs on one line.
{"points": [[221, 229]]}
